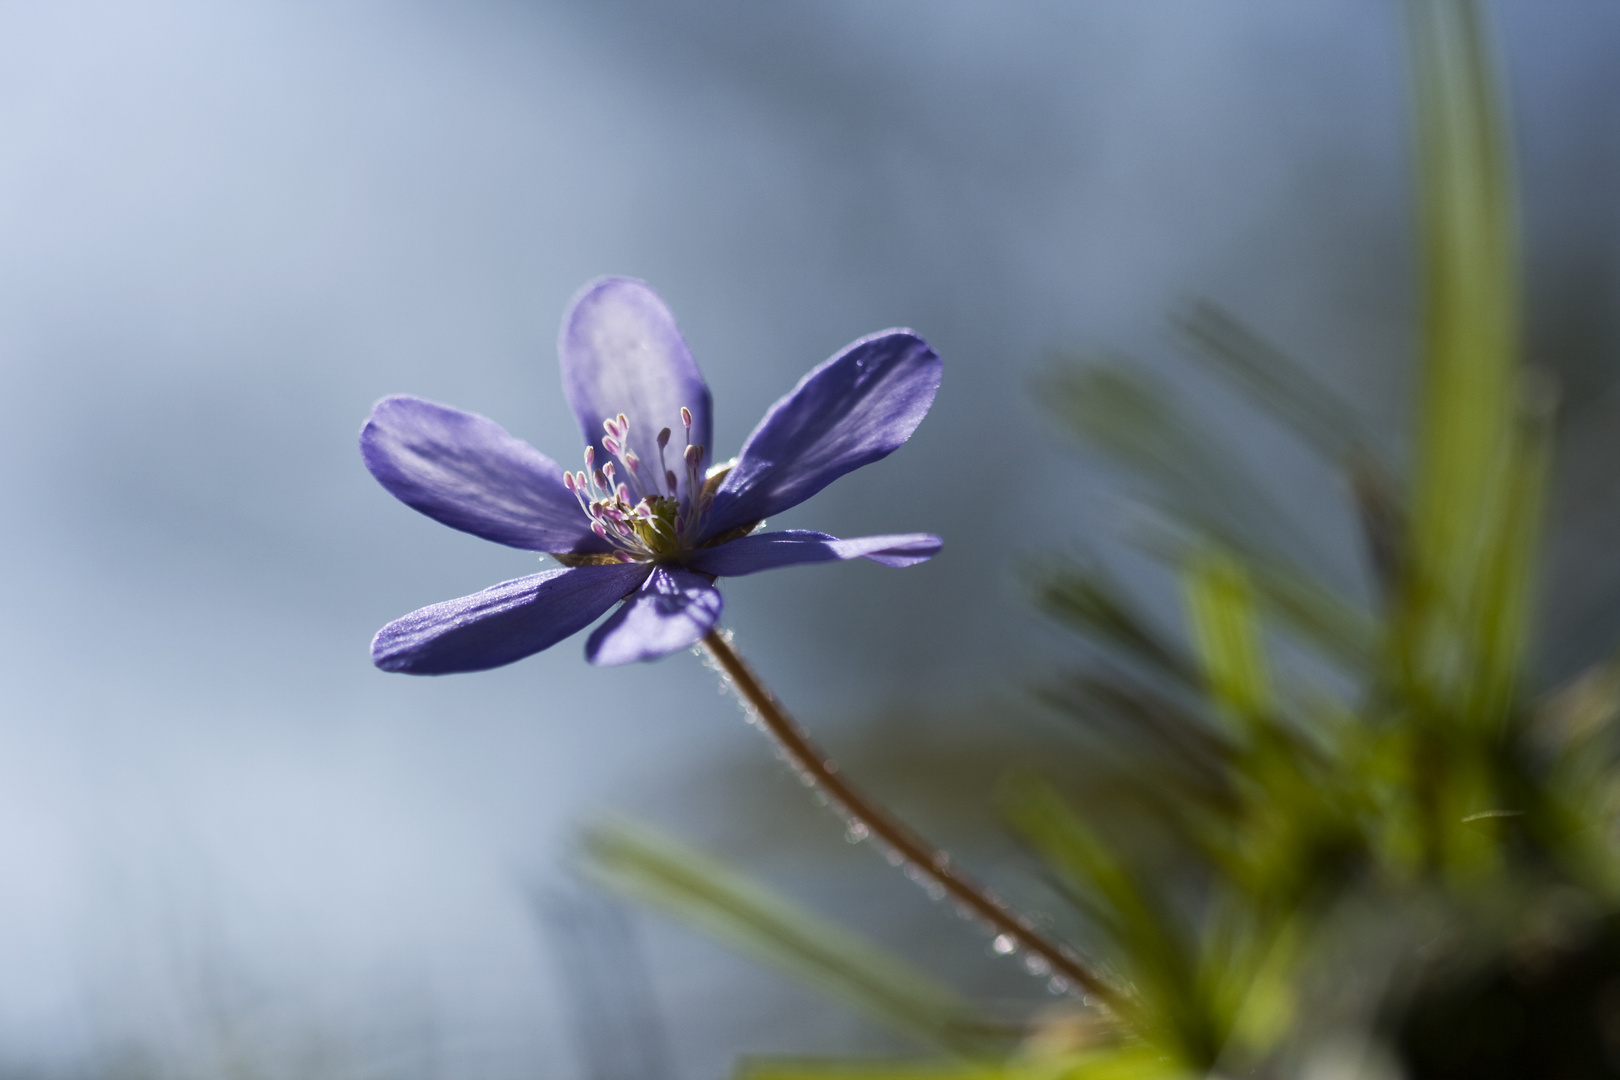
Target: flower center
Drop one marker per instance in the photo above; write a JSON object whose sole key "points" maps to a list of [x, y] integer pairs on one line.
{"points": [[644, 513]]}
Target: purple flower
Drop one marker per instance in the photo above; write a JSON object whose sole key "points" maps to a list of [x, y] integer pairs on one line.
{"points": [[648, 521]]}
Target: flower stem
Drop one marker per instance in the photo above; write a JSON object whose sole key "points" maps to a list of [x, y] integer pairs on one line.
{"points": [[863, 813]]}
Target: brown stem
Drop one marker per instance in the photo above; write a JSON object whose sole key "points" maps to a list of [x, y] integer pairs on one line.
{"points": [[923, 856]]}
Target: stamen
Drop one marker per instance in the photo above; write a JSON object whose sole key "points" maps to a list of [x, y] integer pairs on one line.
{"points": [[694, 479], [623, 501], [663, 441]]}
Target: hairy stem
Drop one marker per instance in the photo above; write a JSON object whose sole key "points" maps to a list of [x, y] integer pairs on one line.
{"points": [[863, 813]]}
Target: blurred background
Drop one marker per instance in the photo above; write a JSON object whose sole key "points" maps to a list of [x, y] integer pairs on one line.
{"points": [[226, 842]]}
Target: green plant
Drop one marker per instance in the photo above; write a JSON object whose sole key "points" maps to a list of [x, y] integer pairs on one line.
{"points": [[1297, 866]]}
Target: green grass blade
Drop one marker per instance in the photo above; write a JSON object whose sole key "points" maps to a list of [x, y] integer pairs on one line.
{"points": [[1226, 634], [705, 893], [1122, 1062], [1336, 628], [1504, 607], [1170, 741], [1470, 343], [1090, 601], [1189, 473], [1274, 381], [1316, 415], [834, 1069], [1155, 956]]}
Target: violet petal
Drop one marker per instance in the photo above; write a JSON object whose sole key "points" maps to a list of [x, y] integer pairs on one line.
{"points": [[505, 622], [767, 551], [464, 470], [621, 352], [673, 609], [857, 407]]}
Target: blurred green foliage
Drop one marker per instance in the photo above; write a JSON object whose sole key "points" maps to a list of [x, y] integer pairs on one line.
{"points": [[661, 871], [1364, 849]]}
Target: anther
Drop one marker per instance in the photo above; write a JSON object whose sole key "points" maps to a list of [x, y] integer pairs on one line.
{"points": [[663, 438], [669, 480], [590, 456], [599, 529], [610, 444], [623, 493], [694, 454], [686, 417]]}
